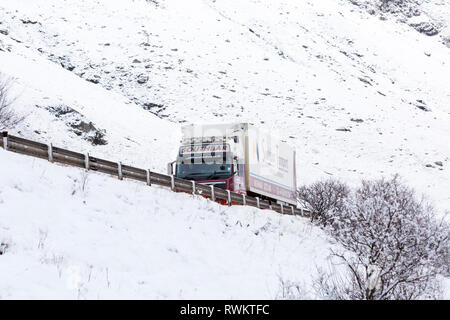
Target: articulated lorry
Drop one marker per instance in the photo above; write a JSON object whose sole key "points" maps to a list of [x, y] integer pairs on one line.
{"points": [[237, 157]]}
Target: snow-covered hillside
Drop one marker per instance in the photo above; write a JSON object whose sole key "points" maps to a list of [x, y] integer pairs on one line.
{"points": [[73, 234], [359, 97]]}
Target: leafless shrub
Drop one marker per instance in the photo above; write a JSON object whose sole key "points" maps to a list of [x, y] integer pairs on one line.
{"points": [[399, 246], [54, 259], [84, 180], [341, 285], [81, 184], [3, 247], [42, 238], [334, 285], [324, 199], [8, 118], [290, 290]]}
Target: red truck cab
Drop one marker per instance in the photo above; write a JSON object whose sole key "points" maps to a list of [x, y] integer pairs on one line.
{"points": [[209, 163]]}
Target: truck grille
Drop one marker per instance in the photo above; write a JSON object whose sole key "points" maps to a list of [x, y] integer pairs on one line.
{"points": [[221, 185]]}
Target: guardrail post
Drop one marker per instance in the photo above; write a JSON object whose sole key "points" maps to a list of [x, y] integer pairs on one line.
{"points": [[213, 197], [244, 200], [282, 208], [119, 170], [5, 140], [193, 186], [229, 197], [292, 210], [257, 202], [172, 182], [50, 152], [86, 160], [301, 209], [149, 182]]}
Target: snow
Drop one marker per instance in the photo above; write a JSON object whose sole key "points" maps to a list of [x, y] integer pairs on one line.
{"points": [[345, 88], [73, 234], [305, 68]]}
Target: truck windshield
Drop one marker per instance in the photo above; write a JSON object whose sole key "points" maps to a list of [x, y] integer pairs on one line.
{"points": [[204, 171]]}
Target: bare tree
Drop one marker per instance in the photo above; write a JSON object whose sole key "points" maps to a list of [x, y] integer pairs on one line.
{"points": [[395, 247], [8, 118], [324, 198], [290, 290], [335, 285]]}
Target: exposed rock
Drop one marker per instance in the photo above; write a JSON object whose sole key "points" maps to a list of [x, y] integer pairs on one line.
{"points": [[97, 139], [28, 21], [142, 78], [446, 41], [426, 28], [343, 129], [67, 65], [151, 105], [422, 105], [438, 163], [94, 79], [90, 132], [77, 123], [3, 248], [60, 110], [365, 81], [84, 126], [423, 108]]}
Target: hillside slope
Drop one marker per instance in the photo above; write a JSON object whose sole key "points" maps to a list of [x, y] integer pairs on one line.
{"points": [[358, 96], [90, 236]]}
